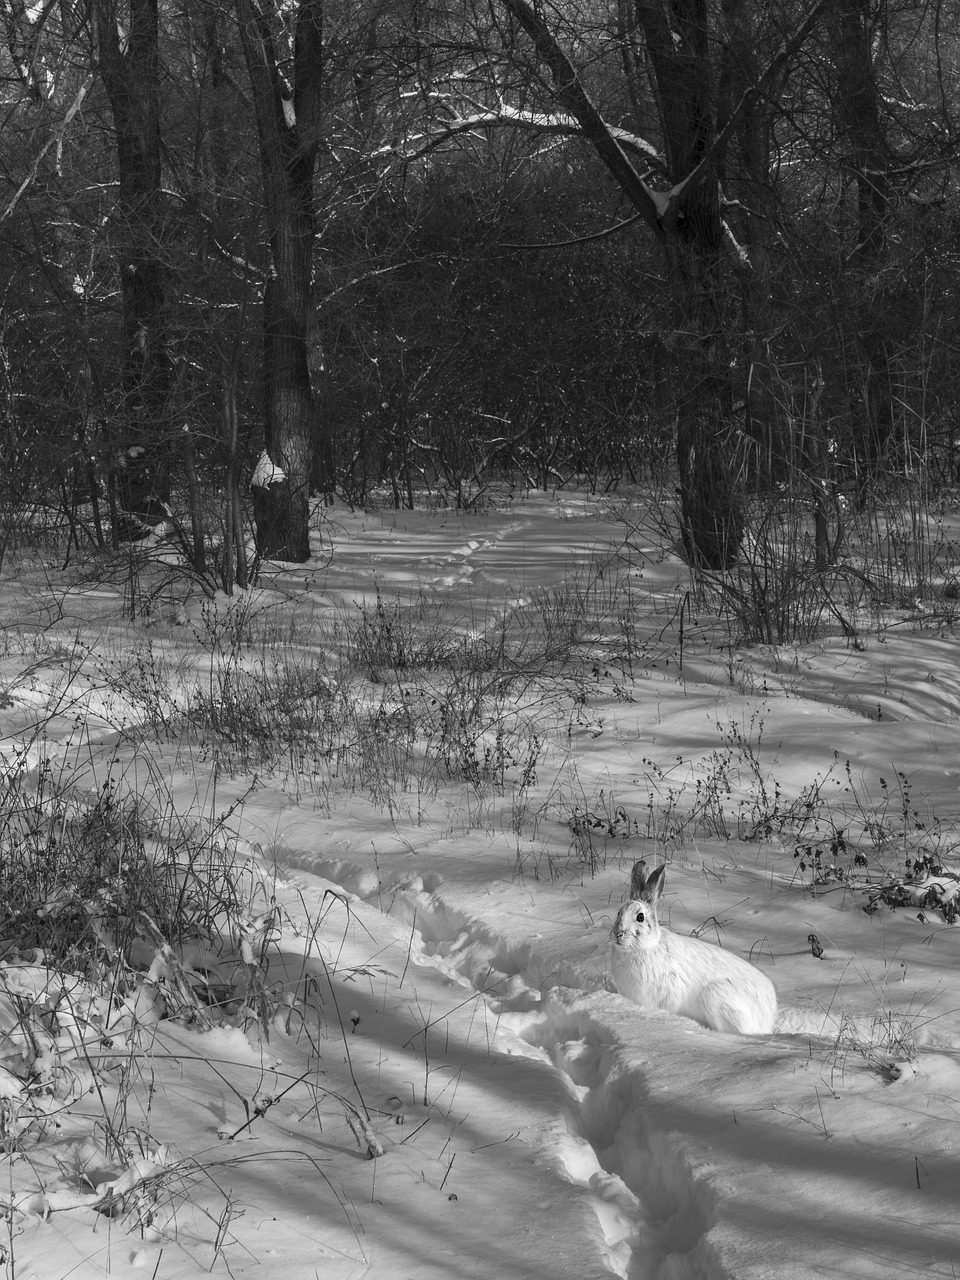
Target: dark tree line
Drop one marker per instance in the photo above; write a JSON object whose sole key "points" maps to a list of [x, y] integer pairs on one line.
{"points": [[300, 246]]}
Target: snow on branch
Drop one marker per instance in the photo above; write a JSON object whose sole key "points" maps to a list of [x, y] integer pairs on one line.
{"points": [[570, 95], [741, 257], [504, 115], [706, 164]]}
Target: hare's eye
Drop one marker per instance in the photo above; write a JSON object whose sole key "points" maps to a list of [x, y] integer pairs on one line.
{"points": [[639, 917]]}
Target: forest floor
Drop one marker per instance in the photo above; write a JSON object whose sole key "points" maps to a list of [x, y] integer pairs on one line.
{"points": [[413, 776]]}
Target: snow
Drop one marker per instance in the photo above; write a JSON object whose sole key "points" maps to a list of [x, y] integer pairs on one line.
{"points": [[266, 472], [504, 113], [439, 948]]}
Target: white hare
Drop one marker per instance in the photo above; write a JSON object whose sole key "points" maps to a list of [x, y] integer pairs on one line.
{"points": [[658, 969]]}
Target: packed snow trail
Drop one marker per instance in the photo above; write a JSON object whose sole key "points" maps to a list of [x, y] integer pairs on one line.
{"points": [[653, 1212], [689, 1144]]}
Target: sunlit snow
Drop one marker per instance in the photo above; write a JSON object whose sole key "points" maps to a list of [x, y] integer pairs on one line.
{"points": [[439, 953]]}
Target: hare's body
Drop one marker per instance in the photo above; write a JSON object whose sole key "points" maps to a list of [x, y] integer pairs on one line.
{"points": [[658, 969]]}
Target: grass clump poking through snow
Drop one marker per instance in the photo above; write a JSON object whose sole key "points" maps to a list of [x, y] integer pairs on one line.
{"points": [[94, 884], [863, 835], [388, 639], [886, 1044], [117, 924], [814, 563], [396, 700], [404, 703]]}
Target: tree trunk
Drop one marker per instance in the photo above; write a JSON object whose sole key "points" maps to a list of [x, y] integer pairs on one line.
{"points": [[711, 505], [686, 221], [711, 502], [745, 174], [866, 156], [131, 76], [288, 123], [282, 509]]}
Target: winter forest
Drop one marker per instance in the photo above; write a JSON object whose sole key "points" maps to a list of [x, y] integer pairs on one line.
{"points": [[479, 597], [428, 245]]}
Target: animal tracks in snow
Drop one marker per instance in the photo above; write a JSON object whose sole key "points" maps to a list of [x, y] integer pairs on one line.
{"points": [[456, 557], [653, 1215], [652, 1219], [693, 1151]]}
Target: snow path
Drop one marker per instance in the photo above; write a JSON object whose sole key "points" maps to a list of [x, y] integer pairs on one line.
{"points": [[652, 1209], [644, 1219], [477, 560], [506, 563], [678, 1137]]}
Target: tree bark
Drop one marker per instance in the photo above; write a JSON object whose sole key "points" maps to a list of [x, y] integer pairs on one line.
{"points": [[711, 507], [130, 72], [288, 127], [867, 157], [686, 221]]}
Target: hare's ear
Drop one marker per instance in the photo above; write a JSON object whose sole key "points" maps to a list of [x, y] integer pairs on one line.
{"points": [[653, 886], [638, 879]]}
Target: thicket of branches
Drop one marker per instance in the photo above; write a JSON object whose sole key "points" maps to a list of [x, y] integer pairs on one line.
{"points": [[326, 246]]}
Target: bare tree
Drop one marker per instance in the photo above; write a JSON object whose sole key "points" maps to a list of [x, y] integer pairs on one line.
{"points": [[284, 51], [687, 222], [128, 59], [865, 156]]}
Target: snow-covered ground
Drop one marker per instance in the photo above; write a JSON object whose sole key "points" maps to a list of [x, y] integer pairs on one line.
{"points": [[438, 928]]}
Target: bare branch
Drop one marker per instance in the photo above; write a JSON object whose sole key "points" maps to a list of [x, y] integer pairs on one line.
{"points": [[54, 140], [565, 244], [773, 69], [573, 98], [504, 115]]}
